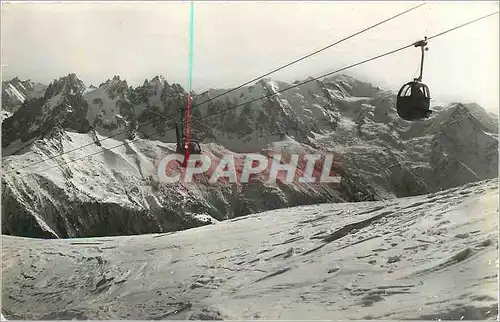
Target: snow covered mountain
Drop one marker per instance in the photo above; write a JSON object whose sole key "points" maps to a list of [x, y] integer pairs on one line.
{"points": [[15, 92], [110, 186], [430, 257], [61, 108]]}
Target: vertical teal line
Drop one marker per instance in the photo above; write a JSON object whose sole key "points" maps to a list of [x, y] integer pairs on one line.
{"points": [[190, 78], [191, 45]]}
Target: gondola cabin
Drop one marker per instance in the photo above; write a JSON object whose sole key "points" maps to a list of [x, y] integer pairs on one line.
{"points": [[413, 101], [182, 146]]}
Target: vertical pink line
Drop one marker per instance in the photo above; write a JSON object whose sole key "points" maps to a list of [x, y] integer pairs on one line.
{"points": [[188, 130], [188, 115]]}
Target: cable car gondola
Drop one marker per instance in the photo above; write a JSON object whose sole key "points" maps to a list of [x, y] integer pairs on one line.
{"points": [[183, 147], [413, 101]]}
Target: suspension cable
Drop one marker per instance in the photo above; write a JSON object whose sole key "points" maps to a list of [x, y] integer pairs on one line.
{"points": [[277, 92], [236, 88]]}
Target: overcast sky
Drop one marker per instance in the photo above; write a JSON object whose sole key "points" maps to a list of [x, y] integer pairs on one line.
{"points": [[237, 41]]}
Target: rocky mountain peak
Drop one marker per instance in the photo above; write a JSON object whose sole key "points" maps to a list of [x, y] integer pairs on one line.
{"points": [[159, 79], [67, 85], [462, 117], [115, 87], [14, 80], [157, 83]]}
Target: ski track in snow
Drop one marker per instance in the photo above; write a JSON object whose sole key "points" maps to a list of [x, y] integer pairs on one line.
{"points": [[425, 257]]}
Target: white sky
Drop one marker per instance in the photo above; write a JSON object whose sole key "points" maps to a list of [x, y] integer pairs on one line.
{"points": [[237, 41]]}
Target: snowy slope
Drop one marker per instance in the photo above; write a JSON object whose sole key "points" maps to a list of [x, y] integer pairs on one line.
{"points": [[118, 191], [427, 257]]}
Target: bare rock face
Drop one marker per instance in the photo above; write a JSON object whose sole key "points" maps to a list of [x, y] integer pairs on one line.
{"points": [[114, 137]]}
